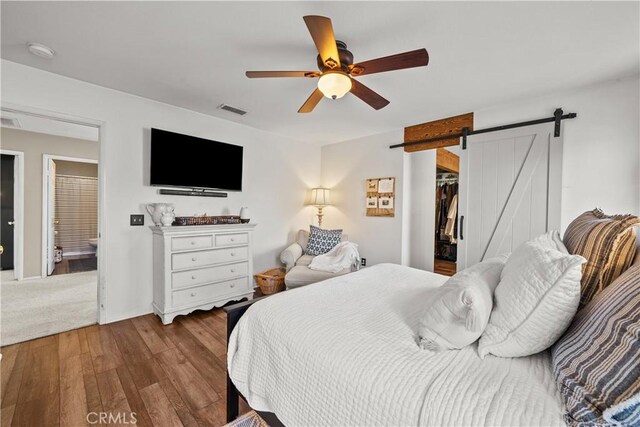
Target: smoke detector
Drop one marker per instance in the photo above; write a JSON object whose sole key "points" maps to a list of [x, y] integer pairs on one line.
{"points": [[40, 50]]}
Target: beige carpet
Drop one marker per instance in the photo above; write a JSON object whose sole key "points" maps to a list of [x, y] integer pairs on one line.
{"points": [[36, 308]]}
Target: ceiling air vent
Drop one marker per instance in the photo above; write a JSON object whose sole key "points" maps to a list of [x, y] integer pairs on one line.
{"points": [[231, 109], [10, 123]]}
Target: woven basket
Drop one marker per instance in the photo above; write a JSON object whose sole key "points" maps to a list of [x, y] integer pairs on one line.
{"points": [[271, 281]]}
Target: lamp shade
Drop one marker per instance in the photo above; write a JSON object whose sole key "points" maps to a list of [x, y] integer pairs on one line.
{"points": [[334, 84], [320, 197]]}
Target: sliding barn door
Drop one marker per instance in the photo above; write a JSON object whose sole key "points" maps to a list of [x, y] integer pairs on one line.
{"points": [[510, 186]]}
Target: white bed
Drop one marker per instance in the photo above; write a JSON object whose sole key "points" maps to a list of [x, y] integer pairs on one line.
{"points": [[344, 352]]}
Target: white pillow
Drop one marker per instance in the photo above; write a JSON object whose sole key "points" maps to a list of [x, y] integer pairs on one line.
{"points": [[536, 298], [458, 311]]}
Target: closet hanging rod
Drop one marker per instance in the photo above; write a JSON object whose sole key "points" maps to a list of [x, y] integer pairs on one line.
{"points": [[442, 177], [558, 116]]}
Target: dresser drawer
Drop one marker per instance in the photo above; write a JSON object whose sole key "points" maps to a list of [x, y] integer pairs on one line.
{"points": [[232, 239], [202, 258], [210, 274], [192, 242], [207, 292]]}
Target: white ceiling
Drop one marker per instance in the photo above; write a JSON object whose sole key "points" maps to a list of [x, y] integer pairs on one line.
{"points": [[194, 54], [51, 127]]}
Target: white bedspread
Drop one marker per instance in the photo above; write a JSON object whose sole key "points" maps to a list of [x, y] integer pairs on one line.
{"points": [[344, 352]]}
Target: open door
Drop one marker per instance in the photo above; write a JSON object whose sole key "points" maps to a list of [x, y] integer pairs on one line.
{"points": [[510, 189], [7, 221], [51, 214]]}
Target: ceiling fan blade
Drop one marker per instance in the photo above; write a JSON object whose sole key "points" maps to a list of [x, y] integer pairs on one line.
{"points": [[311, 102], [414, 58], [261, 74], [367, 95], [322, 34]]}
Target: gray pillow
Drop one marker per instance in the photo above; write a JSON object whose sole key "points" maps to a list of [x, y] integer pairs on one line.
{"points": [[303, 239]]}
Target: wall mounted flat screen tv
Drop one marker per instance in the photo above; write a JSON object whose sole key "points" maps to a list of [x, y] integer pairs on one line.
{"points": [[187, 161]]}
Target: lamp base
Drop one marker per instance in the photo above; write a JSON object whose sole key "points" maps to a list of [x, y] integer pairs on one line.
{"points": [[320, 215]]}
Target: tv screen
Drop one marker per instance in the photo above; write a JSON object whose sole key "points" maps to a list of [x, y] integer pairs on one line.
{"points": [[187, 161]]}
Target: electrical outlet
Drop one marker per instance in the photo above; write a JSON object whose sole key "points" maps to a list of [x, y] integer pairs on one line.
{"points": [[363, 262], [137, 219]]}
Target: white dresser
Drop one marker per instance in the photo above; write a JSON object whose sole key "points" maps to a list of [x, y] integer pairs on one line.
{"points": [[200, 267]]}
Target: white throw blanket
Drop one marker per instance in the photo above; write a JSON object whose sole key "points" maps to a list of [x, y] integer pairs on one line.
{"points": [[342, 256]]}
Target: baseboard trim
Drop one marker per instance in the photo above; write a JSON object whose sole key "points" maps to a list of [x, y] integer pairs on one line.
{"points": [[125, 317], [31, 278]]}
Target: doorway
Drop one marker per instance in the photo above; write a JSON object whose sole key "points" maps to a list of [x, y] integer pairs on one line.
{"points": [[446, 227], [11, 214], [7, 214], [44, 304], [70, 215]]}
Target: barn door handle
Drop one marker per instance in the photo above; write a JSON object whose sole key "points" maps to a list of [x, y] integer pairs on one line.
{"points": [[462, 227]]}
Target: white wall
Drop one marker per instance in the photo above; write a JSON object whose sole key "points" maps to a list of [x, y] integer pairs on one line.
{"points": [[345, 167], [601, 166], [601, 146], [422, 217], [277, 173]]}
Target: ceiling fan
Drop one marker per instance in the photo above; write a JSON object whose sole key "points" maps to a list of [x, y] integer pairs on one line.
{"points": [[337, 69]]}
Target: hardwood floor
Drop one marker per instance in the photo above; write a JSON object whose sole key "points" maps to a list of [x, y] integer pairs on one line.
{"points": [[440, 266], [167, 375]]}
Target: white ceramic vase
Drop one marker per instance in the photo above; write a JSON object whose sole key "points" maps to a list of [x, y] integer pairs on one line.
{"points": [[168, 217], [244, 215], [156, 210]]}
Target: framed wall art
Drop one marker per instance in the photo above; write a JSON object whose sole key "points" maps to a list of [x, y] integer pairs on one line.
{"points": [[380, 196]]}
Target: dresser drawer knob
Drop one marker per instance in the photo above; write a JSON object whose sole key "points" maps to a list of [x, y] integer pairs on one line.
{"points": [[193, 242], [233, 285], [193, 277], [194, 259], [233, 254], [233, 240], [232, 270], [193, 294]]}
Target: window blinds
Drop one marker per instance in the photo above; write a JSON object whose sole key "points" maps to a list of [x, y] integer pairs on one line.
{"points": [[76, 213]]}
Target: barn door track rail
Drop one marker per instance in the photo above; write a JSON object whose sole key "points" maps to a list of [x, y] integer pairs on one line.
{"points": [[558, 117]]}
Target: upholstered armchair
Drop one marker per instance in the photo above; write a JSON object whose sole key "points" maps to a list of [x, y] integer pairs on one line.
{"points": [[297, 263]]}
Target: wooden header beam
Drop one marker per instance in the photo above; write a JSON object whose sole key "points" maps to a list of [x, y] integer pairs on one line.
{"points": [[440, 130], [434, 142]]}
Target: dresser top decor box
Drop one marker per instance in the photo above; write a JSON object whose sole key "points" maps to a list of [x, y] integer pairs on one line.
{"points": [[198, 267]]}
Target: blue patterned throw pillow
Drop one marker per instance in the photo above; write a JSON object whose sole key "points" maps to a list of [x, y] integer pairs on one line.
{"points": [[322, 241]]}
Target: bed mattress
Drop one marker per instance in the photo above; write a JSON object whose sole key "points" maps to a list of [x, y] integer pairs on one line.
{"points": [[344, 352]]}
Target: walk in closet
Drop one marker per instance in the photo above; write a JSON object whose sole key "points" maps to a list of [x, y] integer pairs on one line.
{"points": [[446, 205]]}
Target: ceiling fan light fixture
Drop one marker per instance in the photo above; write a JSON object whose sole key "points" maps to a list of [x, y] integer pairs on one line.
{"points": [[334, 84]]}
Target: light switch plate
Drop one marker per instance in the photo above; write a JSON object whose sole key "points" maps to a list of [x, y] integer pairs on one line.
{"points": [[137, 219]]}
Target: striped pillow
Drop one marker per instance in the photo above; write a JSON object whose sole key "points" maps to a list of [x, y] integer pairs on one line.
{"points": [[596, 363], [608, 242]]}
